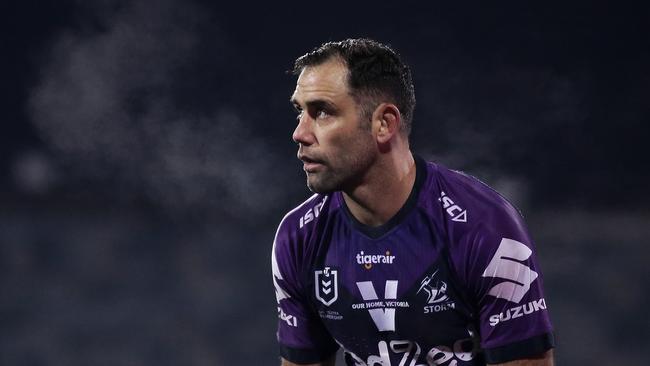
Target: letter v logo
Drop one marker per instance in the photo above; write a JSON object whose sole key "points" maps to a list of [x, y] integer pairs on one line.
{"points": [[384, 318]]}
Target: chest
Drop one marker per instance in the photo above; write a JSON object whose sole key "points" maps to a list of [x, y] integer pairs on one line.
{"points": [[397, 293]]}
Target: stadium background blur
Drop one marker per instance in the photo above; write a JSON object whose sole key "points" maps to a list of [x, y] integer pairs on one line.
{"points": [[146, 160]]}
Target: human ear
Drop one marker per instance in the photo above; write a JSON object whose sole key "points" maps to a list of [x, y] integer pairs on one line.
{"points": [[388, 120]]}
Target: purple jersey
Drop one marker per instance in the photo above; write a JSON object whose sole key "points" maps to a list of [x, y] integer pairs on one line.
{"points": [[451, 279]]}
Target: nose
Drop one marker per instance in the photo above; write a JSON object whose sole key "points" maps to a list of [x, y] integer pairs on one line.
{"points": [[303, 133]]}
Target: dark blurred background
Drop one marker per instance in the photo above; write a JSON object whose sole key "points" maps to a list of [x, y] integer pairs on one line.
{"points": [[146, 160]]}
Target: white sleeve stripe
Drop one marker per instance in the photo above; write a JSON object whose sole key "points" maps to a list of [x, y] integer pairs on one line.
{"points": [[280, 294]]}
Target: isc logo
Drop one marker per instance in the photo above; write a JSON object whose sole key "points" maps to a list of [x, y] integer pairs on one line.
{"points": [[457, 214], [312, 213]]}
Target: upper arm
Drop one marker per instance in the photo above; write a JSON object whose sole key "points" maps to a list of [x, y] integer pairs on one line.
{"points": [[302, 337], [546, 359]]}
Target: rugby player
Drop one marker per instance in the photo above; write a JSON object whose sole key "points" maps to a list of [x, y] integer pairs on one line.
{"points": [[395, 260]]}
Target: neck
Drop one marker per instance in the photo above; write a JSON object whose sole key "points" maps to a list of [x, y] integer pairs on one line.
{"points": [[383, 191]]}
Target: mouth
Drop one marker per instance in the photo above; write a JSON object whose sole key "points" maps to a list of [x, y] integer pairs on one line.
{"points": [[310, 165]]}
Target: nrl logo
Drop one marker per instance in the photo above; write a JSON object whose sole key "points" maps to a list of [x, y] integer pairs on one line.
{"points": [[326, 285]]}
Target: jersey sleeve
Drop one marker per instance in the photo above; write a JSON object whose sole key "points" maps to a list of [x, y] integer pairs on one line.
{"points": [[301, 335], [497, 261]]}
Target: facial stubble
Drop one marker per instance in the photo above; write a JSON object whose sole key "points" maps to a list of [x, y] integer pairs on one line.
{"points": [[347, 169]]}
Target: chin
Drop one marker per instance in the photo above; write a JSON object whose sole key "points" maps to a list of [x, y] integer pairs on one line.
{"points": [[318, 186], [318, 189]]}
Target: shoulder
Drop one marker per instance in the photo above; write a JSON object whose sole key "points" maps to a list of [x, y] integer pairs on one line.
{"points": [[467, 202], [298, 227], [301, 218], [476, 219], [479, 222]]}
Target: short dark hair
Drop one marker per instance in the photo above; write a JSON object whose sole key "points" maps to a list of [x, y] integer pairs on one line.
{"points": [[376, 74]]}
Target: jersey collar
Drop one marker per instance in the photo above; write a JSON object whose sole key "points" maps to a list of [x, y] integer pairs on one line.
{"points": [[375, 232]]}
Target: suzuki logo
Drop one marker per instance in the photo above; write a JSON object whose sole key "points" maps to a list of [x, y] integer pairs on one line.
{"points": [[506, 264]]}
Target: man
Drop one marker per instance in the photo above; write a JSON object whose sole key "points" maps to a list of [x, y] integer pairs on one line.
{"points": [[395, 260]]}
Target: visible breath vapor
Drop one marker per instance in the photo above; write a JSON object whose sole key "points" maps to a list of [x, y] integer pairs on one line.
{"points": [[497, 125], [107, 102]]}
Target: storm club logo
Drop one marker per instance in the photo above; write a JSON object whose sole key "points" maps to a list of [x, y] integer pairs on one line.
{"points": [[436, 291]]}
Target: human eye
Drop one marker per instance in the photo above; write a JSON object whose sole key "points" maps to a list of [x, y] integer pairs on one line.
{"points": [[322, 113]]}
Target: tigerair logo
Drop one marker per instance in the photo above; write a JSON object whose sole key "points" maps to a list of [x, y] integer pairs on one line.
{"points": [[367, 260]]}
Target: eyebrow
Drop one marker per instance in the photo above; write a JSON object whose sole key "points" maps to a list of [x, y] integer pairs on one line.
{"points": [[317, 103]]}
